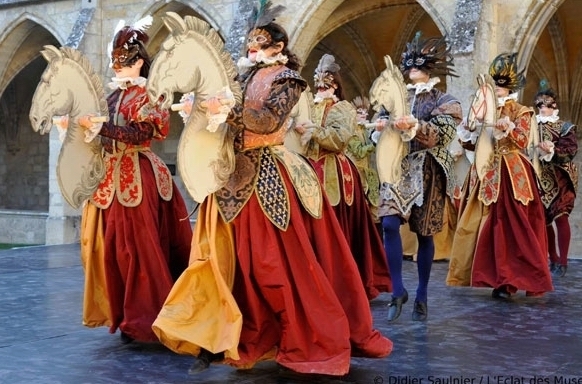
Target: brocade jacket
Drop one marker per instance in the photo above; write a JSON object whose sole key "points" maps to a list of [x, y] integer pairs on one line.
{"points": [[259, 126], [328, 145], [563, 135], [510, 152], [133, 124]]}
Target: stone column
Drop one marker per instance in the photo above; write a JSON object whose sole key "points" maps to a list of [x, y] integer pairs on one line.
{"points": [[63, 222], [465, 28]]}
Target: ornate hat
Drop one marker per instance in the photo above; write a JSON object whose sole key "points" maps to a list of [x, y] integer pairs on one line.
{"points": [[128, 43], [361, 102], [324, 73], [546, 96], [429, 55], [504, 72]]}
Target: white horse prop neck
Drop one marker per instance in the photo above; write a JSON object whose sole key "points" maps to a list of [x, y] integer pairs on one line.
{"points": [[482, 117], [389, 91], [193, 59], [69, 86]]}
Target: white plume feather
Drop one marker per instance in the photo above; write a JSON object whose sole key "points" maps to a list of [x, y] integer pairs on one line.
{"points": [[144, 23]]}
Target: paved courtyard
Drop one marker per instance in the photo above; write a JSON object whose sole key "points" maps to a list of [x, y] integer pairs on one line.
{"points": [[469, 337]]}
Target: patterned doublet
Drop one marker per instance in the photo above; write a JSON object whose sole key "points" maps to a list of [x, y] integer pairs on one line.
{"points": [[427, 173], [510, 152], [560, 172], [132, 124], [260, 158]]}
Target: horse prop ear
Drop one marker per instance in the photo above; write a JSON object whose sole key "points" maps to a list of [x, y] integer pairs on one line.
{"points": [[50, 53], [175, 24], [389, 63]]}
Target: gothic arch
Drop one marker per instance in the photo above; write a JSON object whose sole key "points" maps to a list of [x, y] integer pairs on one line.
{"points": [[200, 9], [21, 43], [362, 32], [545, 46]]}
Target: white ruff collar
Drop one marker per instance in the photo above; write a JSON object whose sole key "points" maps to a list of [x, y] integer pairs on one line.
{"points": [[244, 63], [549, 119], [126, 82], [501, 100], [424, 87]]}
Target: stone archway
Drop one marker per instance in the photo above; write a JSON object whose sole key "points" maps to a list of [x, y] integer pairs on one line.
{"points": [[24, 153], [360, 34]]}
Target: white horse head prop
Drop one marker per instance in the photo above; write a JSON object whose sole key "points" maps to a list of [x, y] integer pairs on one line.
{"points": [[482, 117], [69, 86], [389, 91], [301, 113], [193, 59]]}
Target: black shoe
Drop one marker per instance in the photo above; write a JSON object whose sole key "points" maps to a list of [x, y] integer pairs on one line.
{"points": [[202, 362], [420, 311], [125, 338], [500, 293], [395, 306], [553, 267], [560, 270]]}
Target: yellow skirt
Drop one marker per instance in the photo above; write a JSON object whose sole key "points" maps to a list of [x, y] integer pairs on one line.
{"points": [[200, 311]]}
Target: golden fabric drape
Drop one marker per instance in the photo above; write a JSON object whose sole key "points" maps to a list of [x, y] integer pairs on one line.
{"points": [[200, 311], [96, 310]]}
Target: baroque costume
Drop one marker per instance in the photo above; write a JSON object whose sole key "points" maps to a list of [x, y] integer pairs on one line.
{"points": [[558, 179], [135, 241], [428, 179], [511, 245], [295, 280], [334, 121]]}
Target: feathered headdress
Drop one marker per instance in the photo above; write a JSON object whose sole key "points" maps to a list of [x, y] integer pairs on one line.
{"points": [[361, 102], [128, 40], [327, 67], [504, 72], [264, 13], [429, 55], [545, 96]]}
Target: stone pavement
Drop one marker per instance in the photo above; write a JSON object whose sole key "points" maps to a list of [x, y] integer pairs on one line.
{"points": [[469, 337]]}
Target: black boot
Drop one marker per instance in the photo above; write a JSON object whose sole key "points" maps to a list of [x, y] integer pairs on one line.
{"points": [[395, 306], [202, 362], [501, 293], [420, 311]]}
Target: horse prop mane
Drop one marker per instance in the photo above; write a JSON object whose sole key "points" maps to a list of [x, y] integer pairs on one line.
{"points": [[389, 91], [193, 59], [69, 86]]}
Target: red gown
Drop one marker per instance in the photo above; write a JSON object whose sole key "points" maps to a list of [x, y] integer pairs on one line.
{"points": [[296, 283], [342, 184], [146, 242], [511, 248]]}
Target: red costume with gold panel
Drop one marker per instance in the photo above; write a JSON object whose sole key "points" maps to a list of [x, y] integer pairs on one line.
{"points": [[335, 121], [146, 239], [135, 238]]}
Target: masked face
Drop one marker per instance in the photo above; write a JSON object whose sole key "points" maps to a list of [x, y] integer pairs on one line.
{"points": [[546, 102], [362, 114], [124, 56], [413, 61], [258, 40], [324, 81]]}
